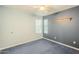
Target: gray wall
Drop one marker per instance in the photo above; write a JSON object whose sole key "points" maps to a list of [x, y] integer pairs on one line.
{"points": [[67, 32]]}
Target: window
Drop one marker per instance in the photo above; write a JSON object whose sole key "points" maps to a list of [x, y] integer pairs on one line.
{"points": [[38, 24], [46, 26]]}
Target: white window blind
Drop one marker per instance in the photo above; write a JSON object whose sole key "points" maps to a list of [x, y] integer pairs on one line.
{"points": [[39, 25], [46, 26]]}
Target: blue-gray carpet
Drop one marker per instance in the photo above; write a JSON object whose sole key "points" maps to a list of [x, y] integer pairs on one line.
{"points": [[40, 46]]}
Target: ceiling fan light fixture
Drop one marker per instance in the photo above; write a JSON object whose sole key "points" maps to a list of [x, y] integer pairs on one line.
{"points": [[42, 8]]}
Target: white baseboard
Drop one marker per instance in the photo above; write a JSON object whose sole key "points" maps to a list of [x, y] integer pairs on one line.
{"points": [[62, 44], [18, 44]]}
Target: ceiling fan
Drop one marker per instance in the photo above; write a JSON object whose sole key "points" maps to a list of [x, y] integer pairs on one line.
{"points": [[43, 8]]}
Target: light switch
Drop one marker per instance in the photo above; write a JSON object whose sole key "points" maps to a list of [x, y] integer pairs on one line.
{"points": [[11, 32]]}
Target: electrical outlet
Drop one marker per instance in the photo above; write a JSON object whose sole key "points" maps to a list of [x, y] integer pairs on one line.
{"points": [[74, 42], [55, 37]]}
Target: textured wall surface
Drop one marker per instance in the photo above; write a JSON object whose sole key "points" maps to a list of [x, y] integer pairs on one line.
{"points": [[66, 32]]}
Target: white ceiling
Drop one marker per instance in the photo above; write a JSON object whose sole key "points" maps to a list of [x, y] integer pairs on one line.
{"points": [[34, 9]]}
